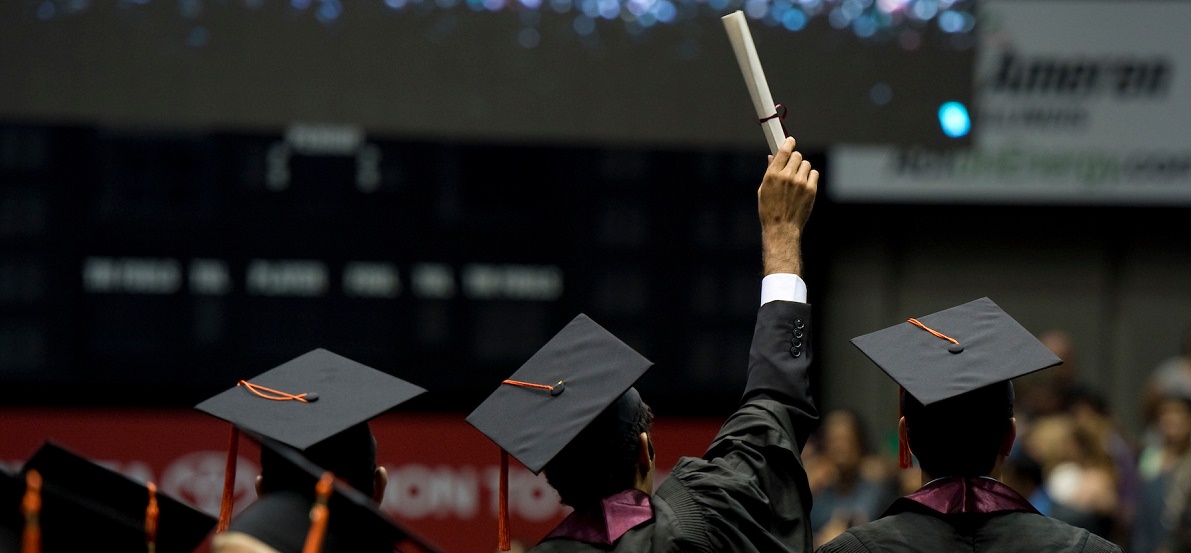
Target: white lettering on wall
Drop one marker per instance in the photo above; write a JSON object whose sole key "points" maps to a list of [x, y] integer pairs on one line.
{"points": [[324, 139], [530, 496], [277, 173], [131, 275], [418, 491], [311, 278], [433, 280], [302, 278], [371, 280], [197, 478], [368, 168], [134, 469], [210, 277], [514, 282]]}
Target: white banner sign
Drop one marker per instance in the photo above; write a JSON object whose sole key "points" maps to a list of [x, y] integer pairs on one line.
{"points": [[1076, 102]]}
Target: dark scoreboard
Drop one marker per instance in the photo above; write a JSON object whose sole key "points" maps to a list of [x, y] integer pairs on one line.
{"points": [[155, 267]]}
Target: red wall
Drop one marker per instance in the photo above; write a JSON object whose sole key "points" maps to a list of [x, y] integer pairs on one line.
{"points": [[442, 472]]}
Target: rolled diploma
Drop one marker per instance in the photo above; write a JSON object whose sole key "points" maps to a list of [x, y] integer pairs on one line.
{"points": [[754, 77]]}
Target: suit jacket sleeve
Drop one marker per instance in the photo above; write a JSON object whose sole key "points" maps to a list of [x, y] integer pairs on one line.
{"points": [[749, 491], [779, 363]]}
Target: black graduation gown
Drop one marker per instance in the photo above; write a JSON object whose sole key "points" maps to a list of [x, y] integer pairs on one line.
{"points": [[749, 492], [909, 526]]}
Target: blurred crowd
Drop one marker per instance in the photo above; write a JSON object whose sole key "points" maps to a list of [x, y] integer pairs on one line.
{"points": [[1071, 459]]}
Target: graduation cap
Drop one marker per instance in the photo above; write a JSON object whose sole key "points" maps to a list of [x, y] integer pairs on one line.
{"points": [[72, 504], [580, 373], [302, 403], [955, 351], [331, 517]]}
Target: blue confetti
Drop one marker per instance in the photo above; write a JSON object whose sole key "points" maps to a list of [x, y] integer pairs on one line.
{"points": [[890, 21]]}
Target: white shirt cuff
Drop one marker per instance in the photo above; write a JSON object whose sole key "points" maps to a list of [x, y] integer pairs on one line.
{"points": [[783, 287]]}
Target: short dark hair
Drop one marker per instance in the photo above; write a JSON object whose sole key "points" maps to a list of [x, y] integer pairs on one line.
{"points": [[350, 455], [602, 459], [959, 436]]}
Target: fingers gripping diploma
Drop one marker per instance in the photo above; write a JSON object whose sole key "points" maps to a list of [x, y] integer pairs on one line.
{"points": [[784, 203]]}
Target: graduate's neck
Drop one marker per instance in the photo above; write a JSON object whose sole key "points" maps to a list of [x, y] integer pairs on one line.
{"points": [[644, 482], [647, 488], [1003, 450], [995, 473]]}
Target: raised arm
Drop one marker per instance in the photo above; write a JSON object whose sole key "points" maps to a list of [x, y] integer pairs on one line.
{"points": [[749, 492], [781, 353], [784, 203]]}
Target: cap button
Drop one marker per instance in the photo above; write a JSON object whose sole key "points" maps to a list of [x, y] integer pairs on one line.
{"points": [[955, 348], [558, 388]]}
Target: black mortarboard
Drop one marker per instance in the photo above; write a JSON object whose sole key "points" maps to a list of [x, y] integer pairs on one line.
{"points": [[335, 394], [304, 402], [584, 369], [991, 348], [581, 372], [355, 523], [955, 351], [84, 504]]}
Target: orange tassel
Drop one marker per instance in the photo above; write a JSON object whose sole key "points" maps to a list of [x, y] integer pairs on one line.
{"points": [[31, 507], [229, 482], [504, 543], [152, 512], [319, 514], [276, 395]]}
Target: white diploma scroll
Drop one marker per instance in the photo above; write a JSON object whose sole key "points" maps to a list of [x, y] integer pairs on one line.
{"points": [[754, 77]]}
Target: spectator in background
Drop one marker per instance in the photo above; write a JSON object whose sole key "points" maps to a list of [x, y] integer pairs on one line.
{"points": [[1178, 510], [1071, 462], [1051, 392], [1156, 472], [1079, 469], [1078, 475], [1171, 378], [854, 487], [1166, 413], [1023, 473], [1093, 417]]}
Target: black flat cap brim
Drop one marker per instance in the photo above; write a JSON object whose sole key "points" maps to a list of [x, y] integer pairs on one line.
{"points": [[587, 369], [344, 393], [992, 348], [85, 505]]}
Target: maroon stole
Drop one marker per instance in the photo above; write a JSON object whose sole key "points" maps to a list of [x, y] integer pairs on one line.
{"points": [[955, 495], [603, 525]]}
